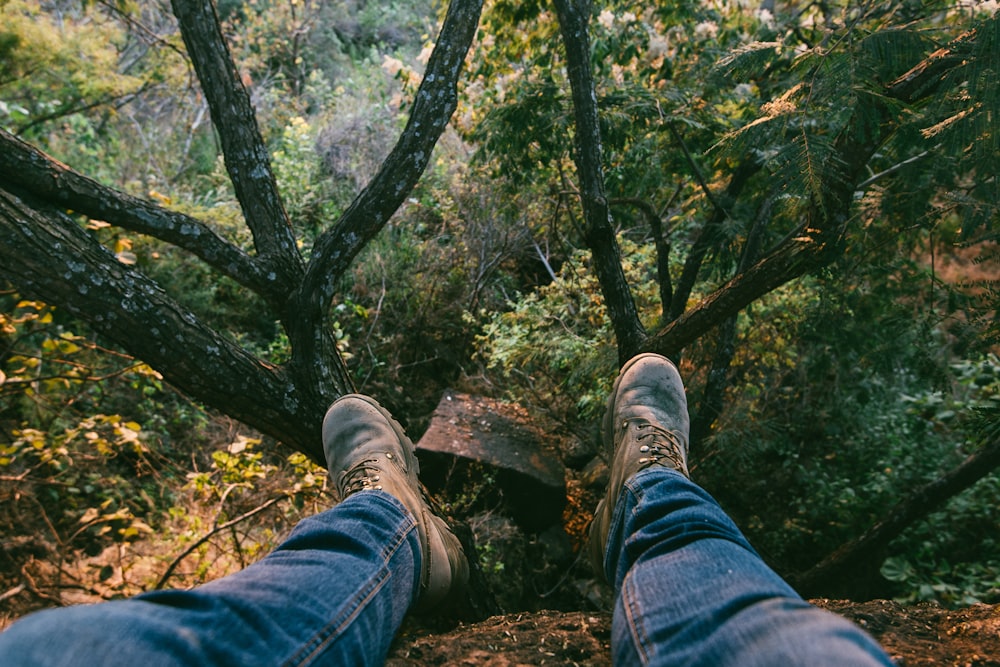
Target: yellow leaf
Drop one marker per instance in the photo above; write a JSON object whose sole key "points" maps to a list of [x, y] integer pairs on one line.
{"points": [[160, 197], [141, 526]]}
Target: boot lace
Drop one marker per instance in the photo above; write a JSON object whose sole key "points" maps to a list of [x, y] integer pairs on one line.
{"points": [[365, 475], [658, 445]]}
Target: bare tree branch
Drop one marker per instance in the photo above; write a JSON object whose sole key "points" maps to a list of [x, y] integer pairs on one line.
{"points": [[662, 245], [243, 147], [600, 236], [207, 536], [786, 263], [433, 105], [709, 237], [52, 258], [857, 562], [52, 181], [334, 250]]}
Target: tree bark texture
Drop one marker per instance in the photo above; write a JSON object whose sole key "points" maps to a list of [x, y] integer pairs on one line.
{"points": [[47, 254], [243, 148], [574, 18], [850, 570]]}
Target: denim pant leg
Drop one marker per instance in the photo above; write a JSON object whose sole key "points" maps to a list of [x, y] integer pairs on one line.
{"points": [[334, 593], [690, 590]]}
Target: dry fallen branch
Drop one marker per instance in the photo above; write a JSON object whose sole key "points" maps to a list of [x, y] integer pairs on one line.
{"points": [[207, 536]]}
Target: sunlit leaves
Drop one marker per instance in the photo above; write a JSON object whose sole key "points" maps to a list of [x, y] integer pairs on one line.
{"points": [[50, 67]]}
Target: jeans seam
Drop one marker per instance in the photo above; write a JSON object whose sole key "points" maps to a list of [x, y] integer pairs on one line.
{"points": [[310, 650], [633, 618]]}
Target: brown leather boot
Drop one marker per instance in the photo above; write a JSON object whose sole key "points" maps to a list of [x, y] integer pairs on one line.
{"points": [[646, 423], [366, 449]]}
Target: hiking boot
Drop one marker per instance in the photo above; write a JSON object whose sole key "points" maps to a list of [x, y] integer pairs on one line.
{"points": [[646, 424], [366, 449]]}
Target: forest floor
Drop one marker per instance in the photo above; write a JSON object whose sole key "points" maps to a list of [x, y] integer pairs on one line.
{"points": [[924, 634]]}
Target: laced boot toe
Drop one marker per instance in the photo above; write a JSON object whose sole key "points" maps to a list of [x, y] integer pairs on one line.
{"points": [[367, 450], [645, 424]]}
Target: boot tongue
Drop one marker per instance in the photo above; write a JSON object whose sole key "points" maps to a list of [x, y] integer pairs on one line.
{"points": [[368, 440], [641, 413]]}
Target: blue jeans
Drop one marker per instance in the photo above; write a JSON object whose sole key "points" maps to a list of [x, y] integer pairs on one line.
{"points": [[690, 590], [334, 593]]}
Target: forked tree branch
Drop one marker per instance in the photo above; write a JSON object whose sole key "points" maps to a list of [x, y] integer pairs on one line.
{"points": [[435, 101], [243, 147], [33, 171], [315, 360], [710, 236]]}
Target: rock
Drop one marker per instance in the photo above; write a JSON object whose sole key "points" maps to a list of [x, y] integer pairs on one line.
{"points": [[473, 438], [595, 475], [578, 453]]}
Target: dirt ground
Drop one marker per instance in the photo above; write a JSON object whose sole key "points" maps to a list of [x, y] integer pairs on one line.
{"points": [[920, 635]]}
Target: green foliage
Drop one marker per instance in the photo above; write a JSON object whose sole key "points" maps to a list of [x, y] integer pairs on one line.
{"points": [[554, 347], [74, 462], [847, 390], [51, 67], [110, 497], [840, 404], [298, 171], [953, 556], [858, 411]]}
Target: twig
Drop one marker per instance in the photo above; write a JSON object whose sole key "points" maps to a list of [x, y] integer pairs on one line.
{"points": [[545, 262], [12, 592], [207, 536], [891, 170], [33, 587], [675, 133]]}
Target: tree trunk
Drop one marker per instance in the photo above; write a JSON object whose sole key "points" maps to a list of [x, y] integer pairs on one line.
{"points": [[573, 21], [46, 254], [852, 570]]}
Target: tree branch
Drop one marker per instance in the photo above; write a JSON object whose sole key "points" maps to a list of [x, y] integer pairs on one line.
{"points": [[207, 536], [827, 219], [335, 249], [892, 170], [712, 400], [789, 261], [600, 236], [923, 79], [243, 147], [48, 256], [33, 171], [709, 237], [433, 105], [662, 245], [867, 551]]}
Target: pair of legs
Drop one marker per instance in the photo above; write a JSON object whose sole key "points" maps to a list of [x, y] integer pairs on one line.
{"points": [[689, 588]]}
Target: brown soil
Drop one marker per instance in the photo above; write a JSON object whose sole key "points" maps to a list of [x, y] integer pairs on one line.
{"points": [[920, 635]]}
